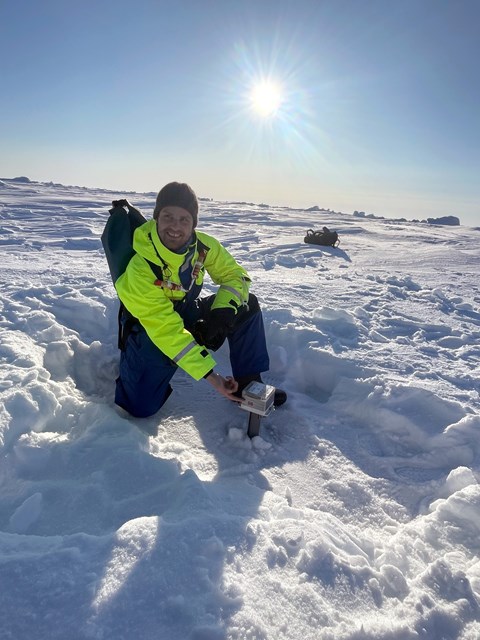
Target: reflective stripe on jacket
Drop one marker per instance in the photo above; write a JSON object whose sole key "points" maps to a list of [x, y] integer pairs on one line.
{"points": [[153, 305]]}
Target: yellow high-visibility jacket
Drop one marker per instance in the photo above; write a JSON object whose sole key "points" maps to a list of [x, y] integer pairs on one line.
{"points": [[153, 304]]}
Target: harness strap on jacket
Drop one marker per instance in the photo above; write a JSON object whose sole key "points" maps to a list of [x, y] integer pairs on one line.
{"points": [[126, 321]]}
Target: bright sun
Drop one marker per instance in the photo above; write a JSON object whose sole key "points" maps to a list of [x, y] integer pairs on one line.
{"points": [[266, 98]]}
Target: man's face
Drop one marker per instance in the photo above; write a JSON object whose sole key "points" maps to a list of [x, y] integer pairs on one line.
{"points": [[174, 227]]}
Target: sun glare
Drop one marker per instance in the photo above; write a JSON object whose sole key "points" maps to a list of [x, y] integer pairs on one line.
{"points": [[266, 99], [269, 106]]}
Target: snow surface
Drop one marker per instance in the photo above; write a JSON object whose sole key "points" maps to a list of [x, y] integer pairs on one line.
{"points": [[356, 513]]}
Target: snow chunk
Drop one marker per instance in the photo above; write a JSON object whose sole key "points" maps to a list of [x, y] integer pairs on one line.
{"points": [[462, 508], [26, 514], [459, 479], [336, 321]]}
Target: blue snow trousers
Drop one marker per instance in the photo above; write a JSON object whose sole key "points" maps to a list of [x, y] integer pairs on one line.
{"points": [[145, 371]]}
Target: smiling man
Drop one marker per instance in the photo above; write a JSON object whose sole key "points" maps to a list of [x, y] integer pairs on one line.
{"points": [[167, 325]]}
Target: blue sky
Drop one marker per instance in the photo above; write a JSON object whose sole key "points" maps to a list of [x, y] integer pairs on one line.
{"points": [[380, 102]]}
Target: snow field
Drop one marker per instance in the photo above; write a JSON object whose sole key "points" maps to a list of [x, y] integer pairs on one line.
{"points": [[355, 514]]}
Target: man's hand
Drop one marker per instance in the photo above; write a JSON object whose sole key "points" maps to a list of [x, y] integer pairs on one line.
{"points": [[225, 386]]}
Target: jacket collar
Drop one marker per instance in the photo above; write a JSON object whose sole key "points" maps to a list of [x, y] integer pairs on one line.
{"points": [[147, 243]]}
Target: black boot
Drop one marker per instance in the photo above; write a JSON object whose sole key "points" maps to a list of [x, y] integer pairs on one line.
{"points": [[279, 398]]}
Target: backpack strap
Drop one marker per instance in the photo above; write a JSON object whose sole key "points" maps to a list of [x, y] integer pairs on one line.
{"points": [[126, 323], [156, 268]]}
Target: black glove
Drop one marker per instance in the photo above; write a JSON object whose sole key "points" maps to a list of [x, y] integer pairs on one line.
{"points": [[213, 331]]}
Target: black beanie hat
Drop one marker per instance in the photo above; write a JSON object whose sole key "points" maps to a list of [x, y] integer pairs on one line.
{"points": [[177, 194]]}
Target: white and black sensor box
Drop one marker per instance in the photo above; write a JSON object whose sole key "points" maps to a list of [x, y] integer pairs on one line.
{"points": [[258, 398]]}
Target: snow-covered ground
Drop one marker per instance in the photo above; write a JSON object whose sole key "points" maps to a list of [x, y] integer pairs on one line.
{"points": [[355, 515]]}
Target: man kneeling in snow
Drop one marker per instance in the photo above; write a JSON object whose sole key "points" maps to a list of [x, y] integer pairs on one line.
{"points": [[168, 326]]}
